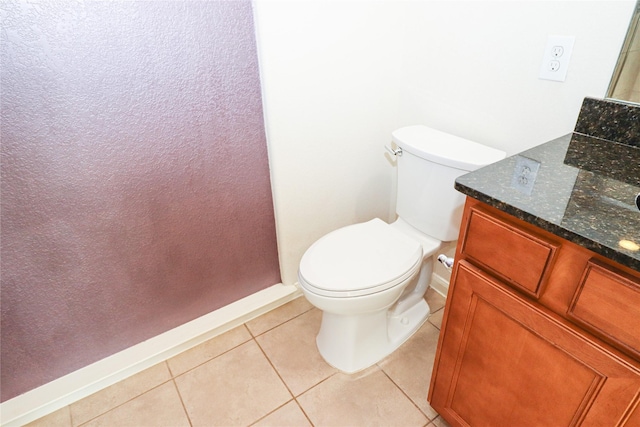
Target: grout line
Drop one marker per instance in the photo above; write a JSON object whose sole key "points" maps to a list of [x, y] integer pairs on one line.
{"points": [[210, 359], [266, 415], [407, 396], [182, 401], [251, 337], [429, 318], [303, 411], [73, 424], [279, 324], [280, 376], [320, 382], [123, 403], [70, 418], [169, 366], [274, 368], [294, 398]]}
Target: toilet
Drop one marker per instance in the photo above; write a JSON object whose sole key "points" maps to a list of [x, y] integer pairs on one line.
{"points": [[369, 279]]}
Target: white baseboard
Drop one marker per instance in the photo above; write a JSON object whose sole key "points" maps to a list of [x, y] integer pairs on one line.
{"points": [[440, 284], [63, 391]]}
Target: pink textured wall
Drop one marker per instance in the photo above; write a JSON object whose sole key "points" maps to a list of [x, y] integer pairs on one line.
{"points": [[134, 178]]}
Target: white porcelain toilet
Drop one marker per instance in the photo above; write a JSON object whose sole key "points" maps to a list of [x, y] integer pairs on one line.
{"points": [[369, 279]]}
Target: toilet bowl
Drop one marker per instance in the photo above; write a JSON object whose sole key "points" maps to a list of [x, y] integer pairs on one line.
{"points": [[356, 275], [369, 279]]}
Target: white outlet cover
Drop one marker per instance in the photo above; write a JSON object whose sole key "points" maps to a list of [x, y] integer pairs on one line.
{"points": [[524, 174], [555, 67]]}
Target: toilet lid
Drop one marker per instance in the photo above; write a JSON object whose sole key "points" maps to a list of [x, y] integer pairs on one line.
{"points": [[359, 259]]}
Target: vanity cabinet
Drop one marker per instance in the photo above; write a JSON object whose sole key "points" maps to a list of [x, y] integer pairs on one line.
{"points": [[537, 331]]}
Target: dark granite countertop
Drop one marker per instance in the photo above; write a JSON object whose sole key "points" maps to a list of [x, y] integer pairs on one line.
{"points": [[584, 192]]}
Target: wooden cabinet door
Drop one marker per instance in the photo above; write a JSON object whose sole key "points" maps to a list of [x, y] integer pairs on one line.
{"points": [[504, 361]]}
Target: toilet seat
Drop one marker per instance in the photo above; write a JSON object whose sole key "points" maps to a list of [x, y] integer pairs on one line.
{"points": [[359, 259]]}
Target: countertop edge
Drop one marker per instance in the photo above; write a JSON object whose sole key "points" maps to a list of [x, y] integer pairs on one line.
{"points": [[559, 231]]}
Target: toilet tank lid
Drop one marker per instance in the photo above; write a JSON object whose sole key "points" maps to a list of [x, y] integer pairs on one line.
{"points": [[445, 149]]}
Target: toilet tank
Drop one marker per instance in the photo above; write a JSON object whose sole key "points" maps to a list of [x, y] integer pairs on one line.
{"points": [[431, 160]]}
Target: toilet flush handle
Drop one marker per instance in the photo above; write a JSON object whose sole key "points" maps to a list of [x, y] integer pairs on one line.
{"points": [[396, 152]]}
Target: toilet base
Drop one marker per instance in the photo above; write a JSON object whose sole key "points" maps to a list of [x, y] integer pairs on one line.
{"points": [[354, 343]]}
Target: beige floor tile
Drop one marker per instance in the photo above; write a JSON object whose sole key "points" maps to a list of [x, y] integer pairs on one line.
{"points": [[119, 393], [212, 377], [436, 318], [410, 366], [278, 316], [234, 389], [439, 422], [290, 415], [59, 418], [158, 407], [291, 347], [435, 300], [366, 399], [208, 350]]}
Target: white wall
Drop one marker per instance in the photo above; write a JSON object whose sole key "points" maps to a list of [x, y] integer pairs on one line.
{"points": [[472, 66], [329, 73], [339, 76]]}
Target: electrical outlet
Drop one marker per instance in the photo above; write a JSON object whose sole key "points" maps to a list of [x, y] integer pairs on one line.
{"points": [[557, 51], [555, 61], [525, 174]]}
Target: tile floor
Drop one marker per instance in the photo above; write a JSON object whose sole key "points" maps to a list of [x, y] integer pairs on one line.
{"points": [[268, 372]]}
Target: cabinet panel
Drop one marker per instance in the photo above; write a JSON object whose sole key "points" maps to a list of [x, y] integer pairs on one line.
{"points": [[608, 303], [504, 361], [519, 360], [634, 417], [520, 258]]}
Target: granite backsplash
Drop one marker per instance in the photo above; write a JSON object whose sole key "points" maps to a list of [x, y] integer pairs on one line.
{"points": [[606, 140], [610, 120]]}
